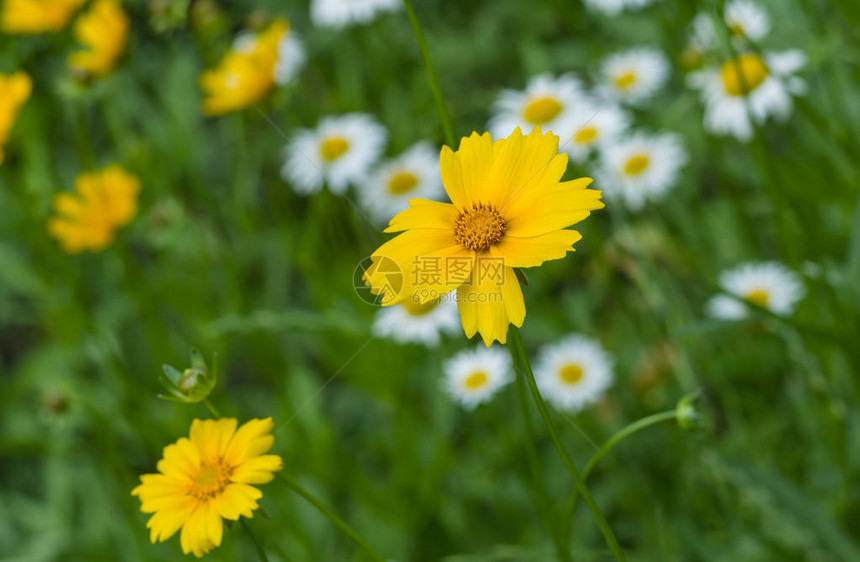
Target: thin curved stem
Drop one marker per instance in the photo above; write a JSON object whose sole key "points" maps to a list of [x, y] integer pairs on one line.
{"points": [[340, 523], [627, 431], [261, 554], [211, 408], [431, 75], [518, 353]]}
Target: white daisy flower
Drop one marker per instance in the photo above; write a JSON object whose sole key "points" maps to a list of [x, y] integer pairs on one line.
{"points": [[473, 377], [291, 58], [415, 173], [635, 75], [411, 322], [343, 13], [641, 168], [767, 284], [592, 124], [546, 102], [339, 152], [614, 7], [769, 83], [573, 372], [744, 19]]}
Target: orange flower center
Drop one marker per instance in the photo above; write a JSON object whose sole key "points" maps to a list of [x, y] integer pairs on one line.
{"points": [[479, 228], [744, 74], [585, 135], [571, 374], [333, 148], [758, 297], [211, 479], [402, 182], [476, 380], [415, 308], [542, 110]]}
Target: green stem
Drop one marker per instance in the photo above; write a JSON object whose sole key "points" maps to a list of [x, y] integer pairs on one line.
{"points": [[211, 408], [431, 75], [261, 554], [639, 425], [519, 356], [534, 466], [340, 523]]}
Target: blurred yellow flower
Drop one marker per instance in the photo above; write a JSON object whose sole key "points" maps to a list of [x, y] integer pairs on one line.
{"points": [[245, 74], [102, 30], [207, 478], [105, 201], [14, 91], [509, 210], [36, 16]]}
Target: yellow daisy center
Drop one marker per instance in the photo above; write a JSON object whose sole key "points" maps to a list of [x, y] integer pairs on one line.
{"points": [[479, 228], [402, 182], [636, 165], [542, 110], [736, 29], [585, 135], [475, 380], [744, 74], [211, 479], [624, 81], [415, 308], [333, 148], [758, 297], [571, 373]]}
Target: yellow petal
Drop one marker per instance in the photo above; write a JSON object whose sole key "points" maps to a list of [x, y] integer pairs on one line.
{"points": [[423, 213], [251, 439], [237, 499], [546, 209], [490, 304], [533, 251], [259, 470], [523, 163]]}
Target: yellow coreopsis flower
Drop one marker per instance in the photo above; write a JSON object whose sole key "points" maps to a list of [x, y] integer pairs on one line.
{"points": [[206, 478], [14, 91], [509, 209], [245, 74], [87, 220], [28, 17], [102, 30]]}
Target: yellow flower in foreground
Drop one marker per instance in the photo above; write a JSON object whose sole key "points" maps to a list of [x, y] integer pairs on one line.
{"points": [[207, 478], [103, 30], [245, 74], [509, 210], [87, 220], [36, 16], [14, 91]]}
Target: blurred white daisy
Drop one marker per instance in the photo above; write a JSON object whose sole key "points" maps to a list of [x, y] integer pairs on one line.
{"points": [[343, 13], [767, 284], [291, 52], [614, 7], [415, 173], [766, 84], [546, 102], [641, 167], [635, 75], [473, 377], [744, 19], [339, 152], [411, 322], [573, 373], [591, 124]]}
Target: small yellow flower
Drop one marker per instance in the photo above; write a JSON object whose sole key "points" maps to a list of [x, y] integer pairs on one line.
{"points": [[207, 478], [509, 210], [14, 91], [245, 74], [87, 220], [103, 30], [28, 17]]}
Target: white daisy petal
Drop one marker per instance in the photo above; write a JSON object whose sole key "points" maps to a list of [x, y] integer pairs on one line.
{"points": [[614, 7], [339, 152], [592, 124], [291, 58], [343, 13], [421, 324], [473, 377], [546, 102], [634, 76], [767, 284], [573, 373]]}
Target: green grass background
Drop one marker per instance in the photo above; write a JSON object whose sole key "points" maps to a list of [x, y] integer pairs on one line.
{"points": [[225, 257]]}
